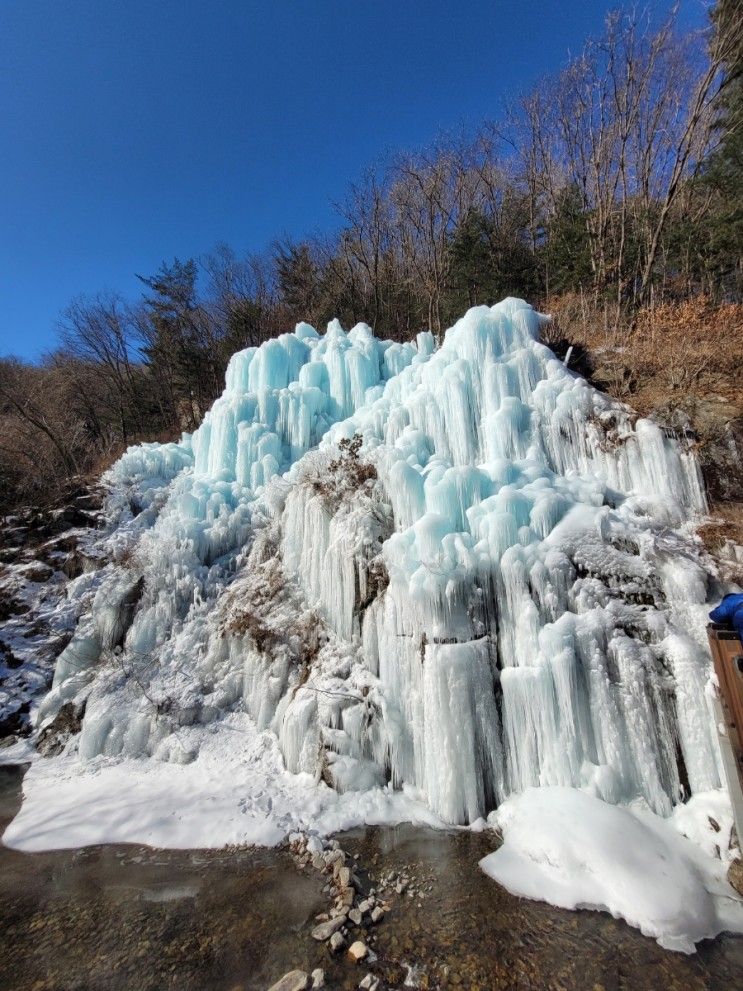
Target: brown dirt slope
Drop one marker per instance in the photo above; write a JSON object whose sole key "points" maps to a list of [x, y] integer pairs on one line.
{"points": [[682, 364]]}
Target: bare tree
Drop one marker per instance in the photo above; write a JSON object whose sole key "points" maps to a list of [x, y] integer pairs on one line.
{"points": [[100, 331], [626, 123], [367, 239], [429, 194], [25, 393], [240, 295]]}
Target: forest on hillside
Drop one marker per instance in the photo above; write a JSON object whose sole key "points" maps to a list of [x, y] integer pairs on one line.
{"points": [[608, 195]]}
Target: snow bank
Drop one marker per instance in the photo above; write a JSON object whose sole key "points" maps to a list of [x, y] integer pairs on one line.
{"points": [[569, 848], [20, 752], [235, 791]]}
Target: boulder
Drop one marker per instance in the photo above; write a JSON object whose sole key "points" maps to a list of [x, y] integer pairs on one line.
{"points": [[37, 572], [332, 857]]}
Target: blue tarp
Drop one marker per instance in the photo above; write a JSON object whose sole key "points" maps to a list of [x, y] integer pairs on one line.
{"points": [[730, 613]]}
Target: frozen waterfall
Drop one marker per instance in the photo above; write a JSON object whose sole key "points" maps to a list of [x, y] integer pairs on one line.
{"points": [[459, 568]]}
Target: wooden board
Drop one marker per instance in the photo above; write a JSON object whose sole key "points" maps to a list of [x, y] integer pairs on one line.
{"points": [[727, 655]]}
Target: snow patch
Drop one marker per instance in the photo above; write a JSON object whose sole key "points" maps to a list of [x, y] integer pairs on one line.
{"points": [[235, 791], [569, 848], [20, 752]]}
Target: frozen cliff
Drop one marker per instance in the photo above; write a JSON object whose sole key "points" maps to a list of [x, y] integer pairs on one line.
{"points": [[460, 569]]}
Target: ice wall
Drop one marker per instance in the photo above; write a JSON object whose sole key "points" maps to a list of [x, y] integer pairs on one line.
{"points": [[461, 569]]}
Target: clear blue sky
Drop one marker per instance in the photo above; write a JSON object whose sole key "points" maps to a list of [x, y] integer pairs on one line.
{"points": [[132, 131]]}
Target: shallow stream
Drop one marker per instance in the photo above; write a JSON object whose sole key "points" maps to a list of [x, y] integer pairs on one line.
{"points": [[129, 917]]}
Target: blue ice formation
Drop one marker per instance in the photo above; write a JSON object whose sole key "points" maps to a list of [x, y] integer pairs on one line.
{"points": [[506, 595]]}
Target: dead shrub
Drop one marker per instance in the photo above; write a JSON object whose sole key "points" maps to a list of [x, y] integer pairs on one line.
{"points": [[342, 476], [263, 607]]}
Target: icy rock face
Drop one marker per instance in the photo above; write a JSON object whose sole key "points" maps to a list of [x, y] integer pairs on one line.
{"points": [[461, 569]]}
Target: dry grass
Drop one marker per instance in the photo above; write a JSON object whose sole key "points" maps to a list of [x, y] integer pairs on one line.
{"points": [[693, 351], [128, 558], [670, 357], [243, 615], [725, 524]]}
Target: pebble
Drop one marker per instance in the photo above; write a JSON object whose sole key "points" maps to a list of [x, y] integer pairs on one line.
{"points": [[357, 951], [337, 942], [343, 876], [377, 914], [295, 980], [334, 856], [355, 916], [369, 983], [318, 978], [326, 929]]}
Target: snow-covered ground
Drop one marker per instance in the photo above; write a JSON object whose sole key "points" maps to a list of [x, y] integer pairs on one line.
{"points": [[386, 582], [236, 791], [40, 611]]}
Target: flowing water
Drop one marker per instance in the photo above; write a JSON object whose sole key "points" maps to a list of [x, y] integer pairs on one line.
{"points": [[129, 917]]}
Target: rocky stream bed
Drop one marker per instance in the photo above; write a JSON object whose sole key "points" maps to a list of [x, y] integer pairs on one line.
{"points": [[111, 918]]}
